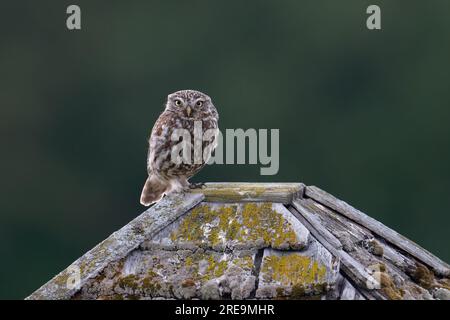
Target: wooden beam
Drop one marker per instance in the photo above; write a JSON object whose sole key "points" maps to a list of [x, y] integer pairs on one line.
{"points": [[438, 266], [352, 268], [303, 213], [251, 192]]}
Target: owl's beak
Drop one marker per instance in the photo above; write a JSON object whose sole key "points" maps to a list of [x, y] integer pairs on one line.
{"points": [[188, 111]]}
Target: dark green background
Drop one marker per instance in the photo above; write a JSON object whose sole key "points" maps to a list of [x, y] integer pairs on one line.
{"points": [[362, 114]]}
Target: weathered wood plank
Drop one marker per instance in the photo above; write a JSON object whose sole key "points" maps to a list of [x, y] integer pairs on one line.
{"points": [[361, 243], [383, 262], [346, 290], [266, 228], [352, 268], [438, 266], [396, 258], [306, 214], [302, 233], [117, 246], [349, 292], [372, 294], [346, 231], [271, 281], [250, 192], [356, 271]]}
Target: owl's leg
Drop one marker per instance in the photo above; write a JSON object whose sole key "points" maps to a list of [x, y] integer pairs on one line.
{"points": [[197, 185], [186, 185], [182, 184]]}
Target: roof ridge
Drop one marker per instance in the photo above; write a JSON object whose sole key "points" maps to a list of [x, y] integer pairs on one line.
{"points": [[439, 267]]}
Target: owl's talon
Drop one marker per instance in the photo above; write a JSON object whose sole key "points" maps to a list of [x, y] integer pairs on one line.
{"points": [[197, 185]]}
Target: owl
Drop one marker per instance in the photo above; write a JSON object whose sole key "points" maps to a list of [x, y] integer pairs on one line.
{"points": [[188, 123]]}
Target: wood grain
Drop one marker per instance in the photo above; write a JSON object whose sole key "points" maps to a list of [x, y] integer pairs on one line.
{"points": [[250, 192], [438, 266]]}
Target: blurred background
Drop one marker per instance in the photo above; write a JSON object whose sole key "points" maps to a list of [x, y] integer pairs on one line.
{"points": [[362, 114]]}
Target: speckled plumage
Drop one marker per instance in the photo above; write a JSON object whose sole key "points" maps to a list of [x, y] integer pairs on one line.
{"points": [[183, 109]]}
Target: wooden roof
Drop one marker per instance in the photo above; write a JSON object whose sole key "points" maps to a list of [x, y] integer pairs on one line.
{"points": [[252, 241]]}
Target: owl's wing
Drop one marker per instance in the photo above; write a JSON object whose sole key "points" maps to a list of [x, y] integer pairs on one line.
{"points": [[160, 143], [210, 144]]}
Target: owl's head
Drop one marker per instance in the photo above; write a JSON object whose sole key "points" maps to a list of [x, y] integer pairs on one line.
{"points": [[191, 104]]}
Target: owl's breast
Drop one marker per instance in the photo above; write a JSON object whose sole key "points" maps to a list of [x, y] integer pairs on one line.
{"points": [[175, 135]]}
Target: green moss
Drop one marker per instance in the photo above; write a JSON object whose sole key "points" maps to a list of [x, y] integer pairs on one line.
{"points": [[150, 283], [444, 283], [422, 276], [376, 248], [150, 286], [280, 291], [128, 282], [298, 291], [389, 288]]}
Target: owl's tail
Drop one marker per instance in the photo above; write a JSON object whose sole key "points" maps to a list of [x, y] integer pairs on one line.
{"points": [[153, 190]]}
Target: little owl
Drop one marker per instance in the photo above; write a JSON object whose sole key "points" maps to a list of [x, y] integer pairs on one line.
{"points": [[186, 109]]}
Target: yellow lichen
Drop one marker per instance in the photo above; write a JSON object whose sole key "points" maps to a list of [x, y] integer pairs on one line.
{"points": [[250, 222], [220, 268], [245, 262], [188, 262], [215, 268], [294, 269], [151, 274]]}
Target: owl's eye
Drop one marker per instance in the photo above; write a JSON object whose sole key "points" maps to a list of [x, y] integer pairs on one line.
{"points": [[199, 103], [178, 102]]}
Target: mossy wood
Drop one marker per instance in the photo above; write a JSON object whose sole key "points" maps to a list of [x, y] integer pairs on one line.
{"points": [[378, 228], [253, 241], [251, 192]]}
